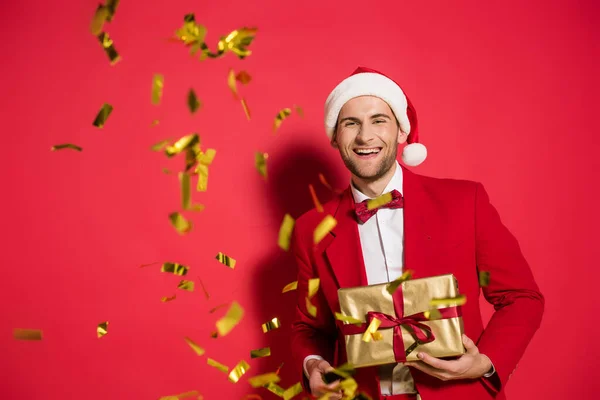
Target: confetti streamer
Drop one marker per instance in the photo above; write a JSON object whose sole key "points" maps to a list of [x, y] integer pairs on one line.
{"points": [[238, 371], [280, 117], [347, 318], [275, 389], [371, 330], [312, 309], [246, 109], [433, 314], [186, 285], [185, 143], [226, 260], [27, 334], [484, 278], [292, 391], [261, 163], [326, 184], [218, 307], [259, 353], [192, 101], [285, 232], [231, 319], [197, 349], [186, 195], [324, 227], [65, 146], [181, 225], [315, 199], [204, 289], [279, 368], [102, 329], [102, 115], [271, 325], [160, 145], [217, 365], [158, 83], [166, 299], [313, 287], [379, 201], [109, 48], [448, 302], [290, 286], [174, 268], [393, 286]]}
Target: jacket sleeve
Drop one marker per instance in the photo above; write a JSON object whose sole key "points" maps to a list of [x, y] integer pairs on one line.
{"points": [[512, 290]]}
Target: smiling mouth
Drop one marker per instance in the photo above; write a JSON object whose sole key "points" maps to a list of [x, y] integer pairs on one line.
{"points": [[367, 152]]}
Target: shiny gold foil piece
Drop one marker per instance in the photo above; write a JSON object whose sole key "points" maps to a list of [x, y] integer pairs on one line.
{"points": [[102, 115], [311, 308], [392, 286], [197, 349], [232, 83], [166, 299], [100, 16], [186, 285], [160, 145], [65, 146], [313, 286], [206, 157], [102, 329], [174, 268], [290, 286], [348, 387], [191, 34], [186, 142], [315, 199], [280, 117], [348, 319], [236, 42], [275, 389], [459, 300], [186, 194], [226, 260], [432, 314], [246, 109], [416, 293], [259, 353], [109, 48], [27, 334], [238, 371], [264, 379], [158, 83], [202, 171], [323, 229], [261, 163], [292, 391], [192, 101], [217, 365], [285, 232], [379, 201], [371, 330], [181, 225], [271, 325], [231, 319], [484, 278]]}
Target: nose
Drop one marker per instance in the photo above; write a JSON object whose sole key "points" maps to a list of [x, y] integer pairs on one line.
{"points": [[366, 133]]}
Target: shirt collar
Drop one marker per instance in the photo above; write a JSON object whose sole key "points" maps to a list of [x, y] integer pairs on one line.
{"points": [[394, 183]]}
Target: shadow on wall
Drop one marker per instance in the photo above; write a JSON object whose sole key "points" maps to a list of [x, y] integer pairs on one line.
{"points": [[296, 167]]}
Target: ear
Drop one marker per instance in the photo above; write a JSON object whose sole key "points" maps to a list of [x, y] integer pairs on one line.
{"points": [[402, 136], [333, 141]]}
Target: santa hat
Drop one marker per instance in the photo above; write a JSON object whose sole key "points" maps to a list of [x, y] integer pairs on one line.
{"points": [[368, 82]]}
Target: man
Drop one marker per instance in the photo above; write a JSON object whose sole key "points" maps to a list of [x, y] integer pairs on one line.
{"points": [[442, 226]]}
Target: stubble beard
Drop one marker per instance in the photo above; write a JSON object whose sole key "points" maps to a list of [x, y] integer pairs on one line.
{"points": [[384, 166]]}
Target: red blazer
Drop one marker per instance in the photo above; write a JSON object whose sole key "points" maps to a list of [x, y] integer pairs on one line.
{"points": [[449, 227]]}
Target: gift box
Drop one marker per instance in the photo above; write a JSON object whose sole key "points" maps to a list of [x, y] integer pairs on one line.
{"points": [[417, 317]]}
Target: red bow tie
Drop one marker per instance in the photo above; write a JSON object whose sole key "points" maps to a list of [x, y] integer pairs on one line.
{"points": [[363, 213]]}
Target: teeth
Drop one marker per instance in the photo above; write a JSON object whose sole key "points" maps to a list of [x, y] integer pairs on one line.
{"points": [[366, 151]]}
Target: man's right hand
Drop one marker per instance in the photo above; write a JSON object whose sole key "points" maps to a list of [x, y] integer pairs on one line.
{"points": [[316, 369]]}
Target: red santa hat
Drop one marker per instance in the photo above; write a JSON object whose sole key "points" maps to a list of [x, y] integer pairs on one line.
{"points": [[368, 82]]}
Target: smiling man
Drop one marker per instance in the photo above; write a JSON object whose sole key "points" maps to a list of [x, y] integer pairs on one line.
{"points": [[433, 227]]}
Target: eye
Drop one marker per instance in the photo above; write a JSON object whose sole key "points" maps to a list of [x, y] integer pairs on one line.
{"points": [[380, 121], [350, 123]]}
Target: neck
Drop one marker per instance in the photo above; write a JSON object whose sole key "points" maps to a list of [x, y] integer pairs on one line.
{"points": [[374, 188]]}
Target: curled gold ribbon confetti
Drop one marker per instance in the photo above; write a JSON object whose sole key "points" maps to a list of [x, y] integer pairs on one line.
{"points": [[186, 142], [226, 260], [271, 325], [433, 314], [323, 229], [191, 34], [158, 83], [236, 42], [166, 299], [217, 365], [264, 379], [238, 371], [102, 329], [27, 334], [379, 201], [260, 161], [292, 391], [186, 195], [181, 225], [192, 101], [281, 115], [102, 115], [275, 389], [484, 278], [313, 287], [231, 319], [290, 286], [315, 199], [311, 308], [347, 318], [65, 146], [371, 330], [186, 285], [259, 353], [197, 349], [160, 145], [393, 286], [285, 232], [246, 109], [109, 48], [174, 268], [450, 301]]}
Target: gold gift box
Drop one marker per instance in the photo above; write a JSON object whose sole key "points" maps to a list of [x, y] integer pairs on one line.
{"points": [[416, 294]]}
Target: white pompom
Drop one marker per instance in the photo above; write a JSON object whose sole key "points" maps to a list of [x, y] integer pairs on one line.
{"points": [[414, 154]]}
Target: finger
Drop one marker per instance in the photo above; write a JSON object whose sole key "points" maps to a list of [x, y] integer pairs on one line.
{"points": [[470, 345], [443, 365], [429, 370]]}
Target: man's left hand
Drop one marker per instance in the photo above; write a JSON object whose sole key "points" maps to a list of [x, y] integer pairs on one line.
{"points": [[472, 365]]}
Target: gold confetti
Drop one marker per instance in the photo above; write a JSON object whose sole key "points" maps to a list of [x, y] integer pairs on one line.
{"points": [[160, 145], [264, 379], [232, 78], [102, 329], [236, 42], [290, 286], [371, 330], [348, 387], [311, 308], [182, 396], [393, 286], [315, 199], [348, 319], [285, 232], [261, 163], [166, 299], [225, 259], [109, 48], [186, 195], [217, 365], [326, 184], [206, 157], [292, 391], [174, 268], [27, 334], [275, 388], [271, 325], [185, 143], [202, 171], [186, 285], [102, 115], [231, 319], [379, 201], [192, 101], [65, 146], [197, 349], [112, 8], [238, 371], [433, 314], [155, 122], [313, 287], [450, 301], [218, 307], [191, 34], [100, 16], [204, 289], [246, 109], [180, 224], [259, 353], [484, 278], [158, 83], [324, 227], [279, 368], [281, 115]]}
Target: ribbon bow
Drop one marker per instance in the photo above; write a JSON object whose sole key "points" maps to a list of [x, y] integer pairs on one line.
{"points": [[362, 209]]}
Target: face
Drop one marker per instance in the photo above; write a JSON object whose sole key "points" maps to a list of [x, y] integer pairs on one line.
{"points": [[367, 137]]}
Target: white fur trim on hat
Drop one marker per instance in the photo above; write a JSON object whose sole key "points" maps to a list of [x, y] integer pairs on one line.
{"points": [[414, 154], [366, 84]]}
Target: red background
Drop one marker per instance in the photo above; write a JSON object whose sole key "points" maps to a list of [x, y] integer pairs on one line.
{"points": [[506, 94]]}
